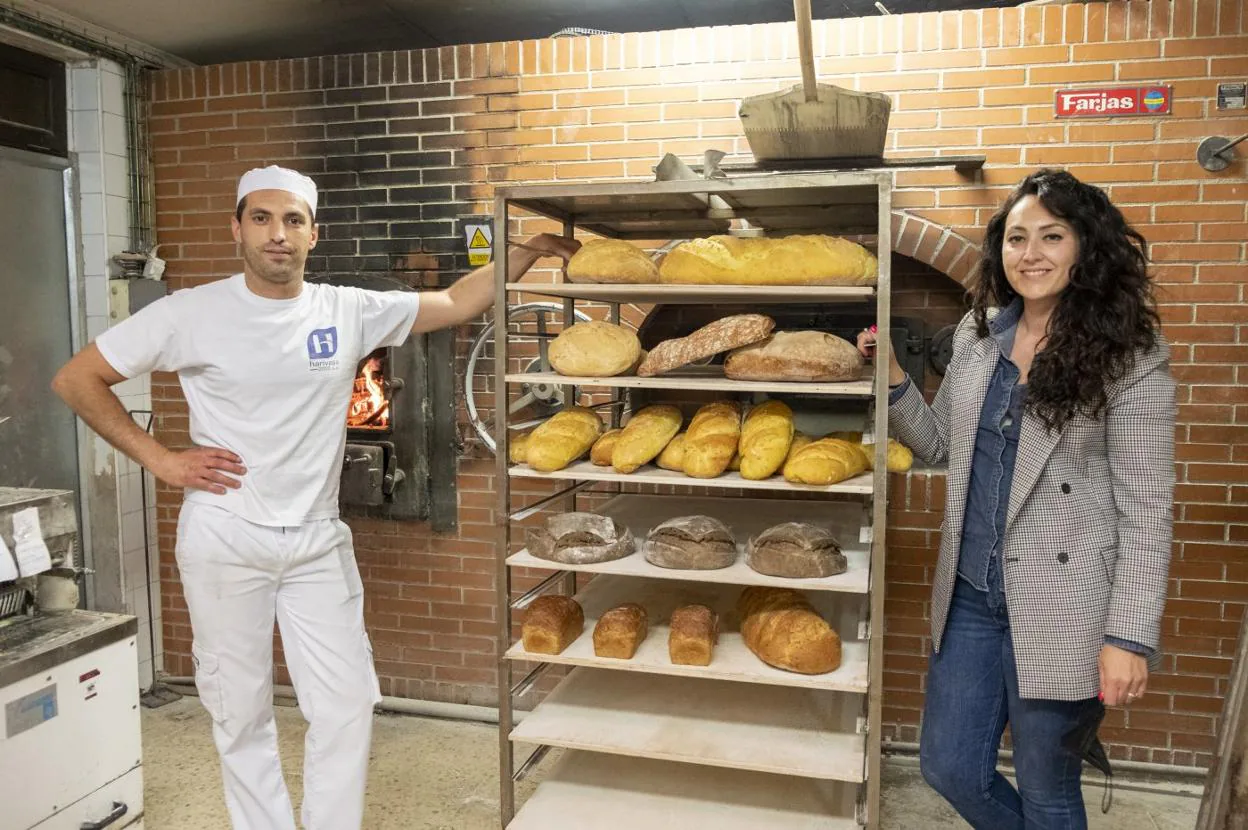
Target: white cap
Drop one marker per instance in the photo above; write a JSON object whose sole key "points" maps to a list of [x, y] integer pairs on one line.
{"points": [[278, 178]]}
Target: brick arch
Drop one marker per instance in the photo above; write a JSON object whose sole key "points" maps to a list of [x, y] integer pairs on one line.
{"points": [[948, 252]]}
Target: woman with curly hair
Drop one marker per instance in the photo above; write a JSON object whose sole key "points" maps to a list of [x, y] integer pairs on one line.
{"points": [[1056, 420]]}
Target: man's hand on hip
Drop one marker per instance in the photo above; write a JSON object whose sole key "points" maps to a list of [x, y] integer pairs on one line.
{"points": [[201, 468]]}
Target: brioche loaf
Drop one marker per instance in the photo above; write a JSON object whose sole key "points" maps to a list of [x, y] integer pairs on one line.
{"points": [[600, 452], [564, 438], [673, 455], [611, 260], [644, 436], [620, 631], [765, 439], [594, 349], [551, 624], [826, 461], [797, 356], [791, 260], [783, 630], [694, 632], [711, 441], [720, 336], [796, 550], [696, 543], [580, 539]]}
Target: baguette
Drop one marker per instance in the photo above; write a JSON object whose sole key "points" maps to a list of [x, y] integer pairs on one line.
{"points": [[644, 437], [711, 441], [765, 440], [811, 259], [600, 452], [720, 336], [673, 455], [784, 631], [826, 461], [567, 436]]}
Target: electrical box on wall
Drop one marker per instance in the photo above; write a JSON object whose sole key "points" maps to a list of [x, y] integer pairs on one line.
{"points": [[127, 296]]}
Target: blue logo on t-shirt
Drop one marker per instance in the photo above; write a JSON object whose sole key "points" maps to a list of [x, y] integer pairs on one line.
{"points": [[323, 343]]}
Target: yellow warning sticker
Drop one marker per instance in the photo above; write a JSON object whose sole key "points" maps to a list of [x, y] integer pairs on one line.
{"points": [[480, 244]]}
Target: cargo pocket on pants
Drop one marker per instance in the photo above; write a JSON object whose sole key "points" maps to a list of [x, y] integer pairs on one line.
{"points": [[208, 682]]}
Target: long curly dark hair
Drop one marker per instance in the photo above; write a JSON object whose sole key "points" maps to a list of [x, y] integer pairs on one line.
{"points": [[1103, 316]]}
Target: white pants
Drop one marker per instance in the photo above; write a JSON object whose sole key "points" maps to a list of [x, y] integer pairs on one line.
{"points": [[237, 576]]}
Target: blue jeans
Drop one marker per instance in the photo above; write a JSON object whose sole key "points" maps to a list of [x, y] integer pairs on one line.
{"points": [[972, 693]]}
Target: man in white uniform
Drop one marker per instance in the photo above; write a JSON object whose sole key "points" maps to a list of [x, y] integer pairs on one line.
{"points": [[266, 362]]}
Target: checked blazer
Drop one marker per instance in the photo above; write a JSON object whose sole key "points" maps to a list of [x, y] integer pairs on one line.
{"points": [[1090, 520]]}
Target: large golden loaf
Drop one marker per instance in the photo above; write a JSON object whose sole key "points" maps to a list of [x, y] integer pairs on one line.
{"points": [[711, 441], [613, 261], [564, 438], [595, 349], [644, 437], [765, 439], [812, 259]]}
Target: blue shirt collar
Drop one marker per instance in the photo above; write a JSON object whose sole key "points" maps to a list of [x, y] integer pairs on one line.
{"points": [[1003, 326]]}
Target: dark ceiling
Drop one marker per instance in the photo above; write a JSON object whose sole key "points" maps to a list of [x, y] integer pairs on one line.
{"points": [[218, 31]]}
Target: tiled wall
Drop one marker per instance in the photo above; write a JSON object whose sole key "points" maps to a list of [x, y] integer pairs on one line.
{"points": [[98, 138]]}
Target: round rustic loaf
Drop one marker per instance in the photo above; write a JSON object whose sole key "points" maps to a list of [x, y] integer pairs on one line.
{"points": [[611, 261], [696, 543], [595, 349], [796, 550], [812, 356]]}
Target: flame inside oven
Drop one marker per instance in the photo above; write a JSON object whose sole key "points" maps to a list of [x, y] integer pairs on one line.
{"points": [[370, 405]]}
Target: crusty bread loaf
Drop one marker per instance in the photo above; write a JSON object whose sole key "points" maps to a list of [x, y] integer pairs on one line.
{"points": [[564, 438], [765, 439], [694, 632], [900, 457], [551, 624], [600, 452], [594, 349], [518, 448], [711, 440], [673, 455], [720, 336], [783, 630], [796, 550], [695, 543], [644, 436], [611, 260], [826, 461], [580, 539], [792, 260], [797, 356], [620, 631], [800, 439]]}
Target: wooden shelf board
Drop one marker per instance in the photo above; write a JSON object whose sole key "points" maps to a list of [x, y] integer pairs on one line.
{"points": [[715, 723], [585, 471], [588, 791], [710, 378], [690, 294], [731, 659], [746, 517]]}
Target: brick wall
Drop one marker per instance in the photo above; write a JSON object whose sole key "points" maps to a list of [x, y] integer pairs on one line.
{"points": [[404, 142]]}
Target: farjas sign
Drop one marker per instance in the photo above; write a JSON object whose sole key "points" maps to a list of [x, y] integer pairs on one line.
{"points": [[1111, 102]]}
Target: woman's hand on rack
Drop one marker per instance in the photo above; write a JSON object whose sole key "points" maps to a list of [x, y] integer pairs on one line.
{"points": [[866, 346]]}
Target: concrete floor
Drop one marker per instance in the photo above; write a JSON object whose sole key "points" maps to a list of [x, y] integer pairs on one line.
{"points": [[431, 774]]}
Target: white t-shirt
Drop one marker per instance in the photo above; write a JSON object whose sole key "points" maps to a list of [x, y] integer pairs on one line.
{"points": [[268, 379]]}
